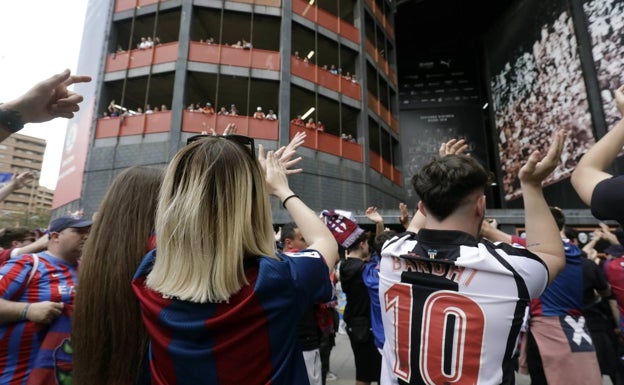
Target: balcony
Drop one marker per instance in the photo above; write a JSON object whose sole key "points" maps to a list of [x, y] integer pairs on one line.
{"points": [[226, 55], [124, 5], [328, 143], [245, 125], [385, 168], [163, 53], [381, 61], [315, 74], [326, 20], [133, 125], [378, 108], [381, 17]]}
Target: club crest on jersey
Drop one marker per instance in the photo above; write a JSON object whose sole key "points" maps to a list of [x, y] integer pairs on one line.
{"points": [[432, 253]]}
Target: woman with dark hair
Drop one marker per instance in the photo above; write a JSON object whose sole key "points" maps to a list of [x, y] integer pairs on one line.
{"points": [[109, 340], [219, 303]]}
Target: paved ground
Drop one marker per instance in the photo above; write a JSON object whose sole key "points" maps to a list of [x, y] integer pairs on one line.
{"points": [[342, 365]]}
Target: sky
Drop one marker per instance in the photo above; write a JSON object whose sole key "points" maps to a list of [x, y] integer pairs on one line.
{"points": [[39, 38]]}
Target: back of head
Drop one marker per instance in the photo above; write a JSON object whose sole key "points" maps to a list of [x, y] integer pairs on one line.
{"points": [[445, 182], [107, 333], [288, 231], [10, 234], [213, 211], [557, 213], [381, 238]]}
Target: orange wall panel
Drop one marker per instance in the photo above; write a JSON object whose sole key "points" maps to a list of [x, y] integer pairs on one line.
{"points": [[329, 143], [349, 31], [132, 125], [124, 5], [303, 70], [107, 128], [117, 61], [328, 80], [263, 59], [198, 122], [263, 129], [166, 53], [352, 151], [375, 161], [327, 20], [140, 57], [350, 88], [204, 53], [158, 122], [304, 9], [143, 3], [242, 124], [235, 56]]}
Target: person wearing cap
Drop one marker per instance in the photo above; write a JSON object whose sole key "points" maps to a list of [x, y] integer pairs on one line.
{"points": [[357, 312], [259, 114], [34, 290]]}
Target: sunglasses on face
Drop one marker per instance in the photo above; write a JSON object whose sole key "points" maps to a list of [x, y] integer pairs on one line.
{"points": [[245, 141]]}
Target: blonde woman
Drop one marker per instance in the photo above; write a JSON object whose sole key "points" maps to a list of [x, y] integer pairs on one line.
{"points": [[220, 305]]}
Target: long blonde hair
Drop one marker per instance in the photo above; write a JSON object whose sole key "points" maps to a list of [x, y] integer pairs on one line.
{"points": [[213, 211]]}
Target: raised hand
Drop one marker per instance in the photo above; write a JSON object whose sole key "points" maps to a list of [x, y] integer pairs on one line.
{"points": [[453, 147], [372, 214], [538, 167]]}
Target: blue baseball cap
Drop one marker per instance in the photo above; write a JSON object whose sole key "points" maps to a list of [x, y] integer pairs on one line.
{"points": [[61, 223]]}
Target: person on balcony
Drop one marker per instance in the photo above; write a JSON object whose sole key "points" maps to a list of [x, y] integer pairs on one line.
{"points": [[271, 115], [238, 44], [310, 124], [148, 109], [163, 108], [223, 111], [247, 44], [298, 121], [208, 109], [259, 114], [320, 126], [333, 70], [143, 44], [233, 110]]}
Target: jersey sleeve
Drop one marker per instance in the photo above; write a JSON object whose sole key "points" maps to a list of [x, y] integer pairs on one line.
{"points": [[528, 266], [310, 275], [370, 275], [607, 201], [14, 275]]}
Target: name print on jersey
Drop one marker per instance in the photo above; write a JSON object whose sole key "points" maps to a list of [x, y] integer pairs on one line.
{"points": [[414, 263]]}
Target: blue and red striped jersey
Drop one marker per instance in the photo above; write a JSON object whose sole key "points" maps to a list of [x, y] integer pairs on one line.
{"points": [[55, 280], [251, 339]]}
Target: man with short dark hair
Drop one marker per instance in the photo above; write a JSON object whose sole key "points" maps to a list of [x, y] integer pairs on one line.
{"points": [[452, 302], [33, 290], [12, 239]]}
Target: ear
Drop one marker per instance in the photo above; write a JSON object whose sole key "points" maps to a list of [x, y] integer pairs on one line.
{"points": [[480, 206], [421, 208]]}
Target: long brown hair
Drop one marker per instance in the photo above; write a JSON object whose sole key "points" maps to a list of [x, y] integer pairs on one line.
{"points": [[108, 338]]}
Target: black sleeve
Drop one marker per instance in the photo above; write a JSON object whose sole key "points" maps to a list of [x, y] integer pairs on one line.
{"points": [[598, 279], [607, 201]]}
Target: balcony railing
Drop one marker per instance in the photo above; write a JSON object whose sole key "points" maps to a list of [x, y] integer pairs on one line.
{"points": [[385, 168], [381, 111], [226, 55], [381, 17], [163, 53], [326, 20], [328, 143], [381, 61], [133, 125], [245, 125], [124, 5], [315, 74]]}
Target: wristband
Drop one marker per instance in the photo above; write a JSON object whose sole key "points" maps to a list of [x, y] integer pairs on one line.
{"points": [[11, 120], [287, 198], [24, 311]]}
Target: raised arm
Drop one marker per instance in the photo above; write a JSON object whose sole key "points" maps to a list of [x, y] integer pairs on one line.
{"points": [[316, 234], [16, 183], [373, 215], [47, 100], [591, 168], [542, 233]]}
